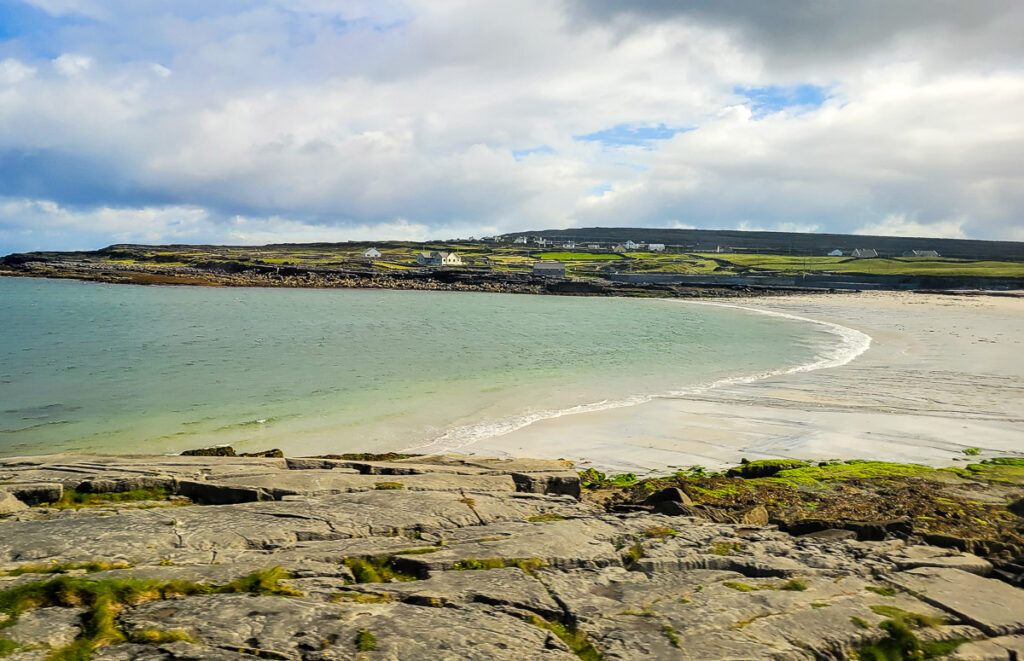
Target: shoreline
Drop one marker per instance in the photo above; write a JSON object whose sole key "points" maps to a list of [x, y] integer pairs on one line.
{"points": [[943, 375]]}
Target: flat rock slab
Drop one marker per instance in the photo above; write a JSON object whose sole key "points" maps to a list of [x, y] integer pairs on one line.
{"points": [[991, 605], [293, 628], [49, 627], [316, 482], [1003, 648]]}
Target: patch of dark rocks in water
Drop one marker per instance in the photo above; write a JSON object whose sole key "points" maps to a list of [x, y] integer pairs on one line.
{"points": [[460, 557]]}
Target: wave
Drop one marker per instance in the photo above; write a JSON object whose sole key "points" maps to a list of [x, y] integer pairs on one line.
{"points": [[852, 343]]}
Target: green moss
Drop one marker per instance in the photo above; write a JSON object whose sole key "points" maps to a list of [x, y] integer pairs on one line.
{"points": [[793, 585], [73, 499], [419, 551], [884, 591], [360, 598], [576, 640], [632, 555], [365, 641], [939, 648], [660, 532], [766, 467], [54, 568], [819, 604], [860, 622], [549, 516], [262, 582], [971, 452], [379, 569], [670, 633], [388, 485], [742, 587], [7, 647], [812, 475], [725, 548], [914, 620], [528, 565], [157, 637]]}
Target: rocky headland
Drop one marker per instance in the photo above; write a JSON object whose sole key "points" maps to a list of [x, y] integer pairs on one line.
{"points": [[461, 557]]}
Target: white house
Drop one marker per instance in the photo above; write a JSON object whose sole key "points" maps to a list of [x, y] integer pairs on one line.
{"points": [[541, 241], [632, 246], [569, 244], [619, 248], [864, 253], [836, 253], [921, 253], [520, 239], [656, 247], [550, 269], [436, 258], [371, 253]]}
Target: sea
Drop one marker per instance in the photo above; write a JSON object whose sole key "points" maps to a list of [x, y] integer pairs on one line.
{"points": [[141, 369]]}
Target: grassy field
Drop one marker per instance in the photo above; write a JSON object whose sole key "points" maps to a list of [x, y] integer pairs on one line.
{"points": [[399, 255], [874, 266]]}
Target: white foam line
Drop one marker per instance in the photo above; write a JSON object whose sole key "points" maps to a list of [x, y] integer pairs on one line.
{"points": [[852, 344]]}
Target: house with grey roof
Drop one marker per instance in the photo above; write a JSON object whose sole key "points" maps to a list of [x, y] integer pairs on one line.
{"points": [[438, 258]]}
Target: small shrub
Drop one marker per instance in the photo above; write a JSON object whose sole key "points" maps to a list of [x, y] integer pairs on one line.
{"points": [[670, 633], [971, 452], [632, 555], [388, 485], [884, 591], [794, 585], [576, 640], [860, 622]]}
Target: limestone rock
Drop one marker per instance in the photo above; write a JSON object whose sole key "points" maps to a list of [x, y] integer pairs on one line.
{"points": [[10, 504], [49, 627], [1003, 648], [993, 606]]}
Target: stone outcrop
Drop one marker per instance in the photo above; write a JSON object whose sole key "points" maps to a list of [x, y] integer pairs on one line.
{"points": [[454, 558]]}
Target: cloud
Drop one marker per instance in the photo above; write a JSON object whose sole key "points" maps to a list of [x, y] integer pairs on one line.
{"points": [[257, 121], [899, 225]]}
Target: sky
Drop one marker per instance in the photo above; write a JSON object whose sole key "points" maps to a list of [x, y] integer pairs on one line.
{"points": [[247, 122]]}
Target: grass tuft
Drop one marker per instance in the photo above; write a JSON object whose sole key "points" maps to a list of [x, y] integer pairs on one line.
{"points": [[365, 641], [549, 516], [576, 640]]}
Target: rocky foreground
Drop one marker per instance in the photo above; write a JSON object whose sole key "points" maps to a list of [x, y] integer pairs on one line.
{"points": [[446, 557]]}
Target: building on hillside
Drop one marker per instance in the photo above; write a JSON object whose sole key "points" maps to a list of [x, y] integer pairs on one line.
{"points": [[549, 269], [569, 245], [520, 239], [922, 253], [836, 253], [656, 247], [864, 253], [438, 258], [371, 253], [593, 246], [631, 246], [540, 240], [619, 248]]}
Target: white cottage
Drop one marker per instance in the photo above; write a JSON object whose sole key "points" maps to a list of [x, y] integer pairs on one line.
{"points": [[632, 246], [656, 247], [864, 253], [520, 239], [438, 258], [836, 253], [371, 253]]}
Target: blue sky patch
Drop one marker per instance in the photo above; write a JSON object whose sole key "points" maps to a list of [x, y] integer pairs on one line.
{"points": [[624, 134], [773, 98], [520, 154]]}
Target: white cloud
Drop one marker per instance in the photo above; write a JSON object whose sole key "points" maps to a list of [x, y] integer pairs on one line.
{"points": [[70, 64], [899, 225], [13, 71], [340, 120]]}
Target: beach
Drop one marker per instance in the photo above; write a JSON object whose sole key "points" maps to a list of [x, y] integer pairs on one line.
{"points": [[942, 374]]}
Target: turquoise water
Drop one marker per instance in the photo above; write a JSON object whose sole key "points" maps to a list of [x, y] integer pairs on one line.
{"points": [[121, 368]]}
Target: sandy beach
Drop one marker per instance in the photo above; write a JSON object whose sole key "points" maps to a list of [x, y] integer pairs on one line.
{"points": [[942, 374]]}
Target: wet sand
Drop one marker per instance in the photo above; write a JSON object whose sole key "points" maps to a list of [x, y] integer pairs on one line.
{"points": [[943, 373]]}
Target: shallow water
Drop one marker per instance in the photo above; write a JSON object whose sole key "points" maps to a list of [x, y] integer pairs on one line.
{"points": [[122, 368]]}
